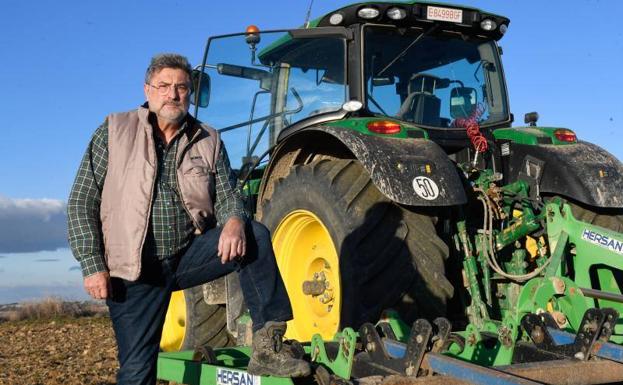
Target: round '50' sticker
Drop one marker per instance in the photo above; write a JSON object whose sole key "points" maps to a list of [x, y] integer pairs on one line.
{"points": [[425, 188]]}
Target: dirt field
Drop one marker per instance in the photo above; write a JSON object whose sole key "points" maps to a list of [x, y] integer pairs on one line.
{"points": [[65, 351]]}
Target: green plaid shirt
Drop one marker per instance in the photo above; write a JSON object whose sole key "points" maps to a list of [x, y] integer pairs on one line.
{"points": [[170, 227]]}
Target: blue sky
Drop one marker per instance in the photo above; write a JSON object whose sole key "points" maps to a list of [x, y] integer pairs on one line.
{"points": [[66, 65]]}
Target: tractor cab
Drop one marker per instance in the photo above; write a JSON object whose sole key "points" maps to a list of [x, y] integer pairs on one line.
{"points": [[424, 65]]}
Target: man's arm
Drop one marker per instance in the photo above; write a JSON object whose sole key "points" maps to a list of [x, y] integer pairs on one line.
{"points": [[83, 208], [229, 209]]}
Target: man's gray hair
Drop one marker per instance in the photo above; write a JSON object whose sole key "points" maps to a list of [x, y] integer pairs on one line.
{"points": [[167, 60]]}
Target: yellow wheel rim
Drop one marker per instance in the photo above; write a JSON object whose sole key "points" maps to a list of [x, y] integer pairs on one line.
{"points": [[174, 328], [305, 253]]}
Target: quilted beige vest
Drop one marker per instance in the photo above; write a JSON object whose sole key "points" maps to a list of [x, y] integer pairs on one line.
{"points": [[128, 189]]}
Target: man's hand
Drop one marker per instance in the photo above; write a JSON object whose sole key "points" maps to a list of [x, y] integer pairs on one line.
{"points": [[233, 242], [98, 285]]}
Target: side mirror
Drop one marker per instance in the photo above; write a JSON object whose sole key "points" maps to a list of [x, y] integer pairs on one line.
{"points": [[247, 73], [201, 89], [463, 100]]}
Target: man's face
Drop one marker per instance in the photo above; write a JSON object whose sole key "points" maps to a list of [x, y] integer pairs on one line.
{"points": [[168, 94]]}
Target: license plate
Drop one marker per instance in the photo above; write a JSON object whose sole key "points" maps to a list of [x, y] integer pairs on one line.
{"points": [[444, 14]]}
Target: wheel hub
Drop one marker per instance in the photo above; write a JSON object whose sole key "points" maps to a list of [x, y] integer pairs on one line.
{"points": [[319, 288]]}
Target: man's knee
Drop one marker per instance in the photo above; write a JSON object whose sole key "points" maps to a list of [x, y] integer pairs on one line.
{"points": [[260, 232], [259, 243]]}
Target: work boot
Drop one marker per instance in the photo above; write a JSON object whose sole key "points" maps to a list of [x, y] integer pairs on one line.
{"points": [[270, 357]]}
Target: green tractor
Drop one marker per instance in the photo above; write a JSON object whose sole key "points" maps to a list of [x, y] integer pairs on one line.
{"points": [[376, 145]]}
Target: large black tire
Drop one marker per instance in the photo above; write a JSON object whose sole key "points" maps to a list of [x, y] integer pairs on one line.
{"points": [[389, 256], [203, 324], [206, 324]]}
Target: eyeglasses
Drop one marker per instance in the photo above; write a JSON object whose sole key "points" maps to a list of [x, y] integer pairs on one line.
{"points": [[163, 88]]}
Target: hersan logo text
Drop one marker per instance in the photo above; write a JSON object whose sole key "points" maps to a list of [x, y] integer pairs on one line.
{"points": [[236, 377], [603, 241]]}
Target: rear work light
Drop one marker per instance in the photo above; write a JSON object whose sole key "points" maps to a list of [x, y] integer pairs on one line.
{"points": [[396, 13], [565, 135], [336, 18], [488, 25], [352, 106], [385, 127], [368, 13]]}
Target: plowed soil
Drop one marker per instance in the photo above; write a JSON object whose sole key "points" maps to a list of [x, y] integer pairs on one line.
{"points": [[72, 351]]}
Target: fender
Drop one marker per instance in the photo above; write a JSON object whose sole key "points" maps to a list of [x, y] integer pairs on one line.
{"points": [[414, 172], [582, 171]]}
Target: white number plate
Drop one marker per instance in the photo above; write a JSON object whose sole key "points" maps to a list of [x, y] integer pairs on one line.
{"points": [[425, 188], [444, 14]]}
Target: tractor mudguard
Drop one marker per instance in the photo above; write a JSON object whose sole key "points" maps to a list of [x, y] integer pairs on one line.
{"points": [[415, 172], [583, 171]]}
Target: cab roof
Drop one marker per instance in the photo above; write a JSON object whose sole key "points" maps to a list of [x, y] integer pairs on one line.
{"points": [[459, 18]]}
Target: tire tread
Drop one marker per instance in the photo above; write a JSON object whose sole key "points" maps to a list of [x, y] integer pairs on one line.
{"points": [[205, 324]]}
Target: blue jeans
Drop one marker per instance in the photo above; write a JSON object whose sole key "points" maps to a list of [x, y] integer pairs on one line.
{"points": [[138, 308]]}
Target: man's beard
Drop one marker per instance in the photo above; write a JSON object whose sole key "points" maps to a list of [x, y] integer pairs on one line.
{"points": [[174, 117]]}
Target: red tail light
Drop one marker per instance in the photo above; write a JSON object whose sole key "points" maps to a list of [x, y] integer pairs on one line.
{"points": [[565, 135], [383, 127]]}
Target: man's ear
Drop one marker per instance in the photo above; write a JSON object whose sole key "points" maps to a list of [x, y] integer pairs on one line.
{"points": [[146, 89]]}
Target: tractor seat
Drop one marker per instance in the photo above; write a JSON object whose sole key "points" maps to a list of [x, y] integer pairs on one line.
{"points": [[421, 106]]}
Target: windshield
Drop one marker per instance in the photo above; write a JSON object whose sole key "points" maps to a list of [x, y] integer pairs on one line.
{"points": [[258, 89], [431, 80]]}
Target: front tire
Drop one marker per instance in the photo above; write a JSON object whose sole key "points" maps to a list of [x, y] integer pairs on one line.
{"points": [[358, 252]]}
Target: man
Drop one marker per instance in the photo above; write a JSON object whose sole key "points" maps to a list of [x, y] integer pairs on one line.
{"points": [[153, 209]]}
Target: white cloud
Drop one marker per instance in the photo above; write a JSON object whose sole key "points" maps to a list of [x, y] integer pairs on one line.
{"points": [[28, 225]]}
